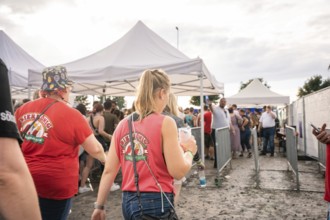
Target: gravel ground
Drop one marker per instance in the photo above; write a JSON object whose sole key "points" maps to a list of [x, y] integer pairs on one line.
{"points": [[237, 193]]}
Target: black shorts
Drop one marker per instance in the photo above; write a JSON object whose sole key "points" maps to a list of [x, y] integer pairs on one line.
{"points": [[102, 142], [208, 141]]}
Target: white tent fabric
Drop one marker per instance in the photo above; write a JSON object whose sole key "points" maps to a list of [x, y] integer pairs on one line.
{"points": [[18, 62], [257, 94], [115, 70]]}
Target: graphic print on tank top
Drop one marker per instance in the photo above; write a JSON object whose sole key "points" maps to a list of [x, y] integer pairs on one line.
{"points": [[140, 147]]}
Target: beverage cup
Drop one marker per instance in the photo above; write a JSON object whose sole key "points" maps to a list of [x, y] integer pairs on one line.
{"points": [[184, 134]]}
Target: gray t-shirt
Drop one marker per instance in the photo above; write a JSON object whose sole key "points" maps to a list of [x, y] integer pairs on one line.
{"points": [[221, 117]]}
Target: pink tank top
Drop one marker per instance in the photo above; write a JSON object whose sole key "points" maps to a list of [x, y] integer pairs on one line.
{"points": [[148, 147]]}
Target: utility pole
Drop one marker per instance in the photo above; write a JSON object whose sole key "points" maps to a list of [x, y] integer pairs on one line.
{"points": [[177, 35]]}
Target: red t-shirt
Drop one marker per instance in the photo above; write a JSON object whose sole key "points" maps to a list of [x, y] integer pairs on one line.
{"points": [[207, 122], [327, 176], [51, 146], [148, 144]]}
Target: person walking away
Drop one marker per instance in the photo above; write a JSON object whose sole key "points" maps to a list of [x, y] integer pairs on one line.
{"points": [[110, 120], [157, 156], [96, 122], [245, 133], [324, 137], [52, 132], [267, 123], [208, 142], [235, 136]]}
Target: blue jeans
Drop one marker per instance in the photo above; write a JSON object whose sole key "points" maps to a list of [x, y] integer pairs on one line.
{"points": [[268, 136], [151, 204], [245, 139], [52, 209]]}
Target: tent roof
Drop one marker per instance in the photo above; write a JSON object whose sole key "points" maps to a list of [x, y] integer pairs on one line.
{"points": [[115, 70], [257, 94], [17, 61]]}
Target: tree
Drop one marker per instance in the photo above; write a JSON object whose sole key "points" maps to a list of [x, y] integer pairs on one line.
{"points": [[120, 101], [83, 99], [313, 84], [243, 85], [195, 100]]}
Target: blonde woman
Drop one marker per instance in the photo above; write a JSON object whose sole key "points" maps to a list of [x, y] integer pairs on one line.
{"points": [[171, 110], [158, 154]]}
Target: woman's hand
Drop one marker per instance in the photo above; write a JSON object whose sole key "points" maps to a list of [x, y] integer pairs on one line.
{"points": [[189, 145], [98, 214]]}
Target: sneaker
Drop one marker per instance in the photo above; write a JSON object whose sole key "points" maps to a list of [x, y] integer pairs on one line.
{"points": [[84, 189], [114, 187], [262, 153], [200, 164], [249, 155], [241, 155]]}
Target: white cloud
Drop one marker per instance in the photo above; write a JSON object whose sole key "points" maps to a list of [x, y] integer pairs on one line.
{"points": [[280, 41]]}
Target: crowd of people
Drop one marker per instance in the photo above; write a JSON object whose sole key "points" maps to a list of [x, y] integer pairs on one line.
{"points": [[41, 141]]}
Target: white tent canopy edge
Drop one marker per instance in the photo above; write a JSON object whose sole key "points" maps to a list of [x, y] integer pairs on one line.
{"points": [[116, 69], [256, 94]]}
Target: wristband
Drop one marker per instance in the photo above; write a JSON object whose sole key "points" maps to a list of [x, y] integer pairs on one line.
{"points": [[190, 153], [96, 206]]}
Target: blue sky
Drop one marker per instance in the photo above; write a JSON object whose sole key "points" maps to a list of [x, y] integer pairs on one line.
{"points": [[285, 42]]}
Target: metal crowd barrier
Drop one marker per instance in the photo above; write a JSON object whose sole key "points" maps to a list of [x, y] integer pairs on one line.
{"points": [[223, 146], [291, 152], [255, 149], [322, 154], [196, 132]]}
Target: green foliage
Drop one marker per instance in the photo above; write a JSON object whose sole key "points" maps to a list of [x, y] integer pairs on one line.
{"points": [[120, 100], [243, 85], [313, 84], [195, 100], [83, 99]]}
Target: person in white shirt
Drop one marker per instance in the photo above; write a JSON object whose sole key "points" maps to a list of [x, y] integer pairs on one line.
{"points": [[267, 122]]}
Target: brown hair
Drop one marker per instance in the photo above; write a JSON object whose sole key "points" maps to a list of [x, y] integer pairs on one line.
{"points": [[97, 108], [150, 82]]}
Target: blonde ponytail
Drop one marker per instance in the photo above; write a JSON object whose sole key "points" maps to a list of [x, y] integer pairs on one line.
{"points": [[150, 82]]}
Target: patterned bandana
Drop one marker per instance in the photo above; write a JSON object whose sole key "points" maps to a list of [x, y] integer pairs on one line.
{"points": [[55, 78]]}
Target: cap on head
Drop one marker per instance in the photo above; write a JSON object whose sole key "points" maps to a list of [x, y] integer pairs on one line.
{"points": [[55, 78]]}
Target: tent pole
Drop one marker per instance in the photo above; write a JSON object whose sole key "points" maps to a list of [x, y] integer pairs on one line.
{"points": [[29, 92], [202, 116]]}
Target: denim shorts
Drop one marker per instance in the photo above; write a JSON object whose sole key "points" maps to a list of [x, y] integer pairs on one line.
{"points": [[151, 204], [52, 209]]}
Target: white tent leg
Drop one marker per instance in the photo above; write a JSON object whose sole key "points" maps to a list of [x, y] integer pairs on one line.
{"points": [[202, 117]]}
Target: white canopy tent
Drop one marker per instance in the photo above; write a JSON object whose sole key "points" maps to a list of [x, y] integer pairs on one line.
{"points": [[257, 94], [116, 69], [18, 62]]}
